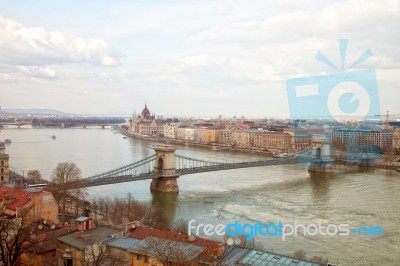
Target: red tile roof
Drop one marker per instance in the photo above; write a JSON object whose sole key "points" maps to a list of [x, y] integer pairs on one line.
{"points": [[22, 197], [143, 232], [212, 249]]}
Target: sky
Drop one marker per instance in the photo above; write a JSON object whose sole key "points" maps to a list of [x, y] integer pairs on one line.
{"points": [[187, 58]]}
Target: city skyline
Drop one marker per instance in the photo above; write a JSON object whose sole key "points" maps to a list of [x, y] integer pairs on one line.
{"points": [[192, 59]]}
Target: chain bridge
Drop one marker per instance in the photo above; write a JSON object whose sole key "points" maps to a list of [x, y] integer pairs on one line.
{"points": [[165, 166]]}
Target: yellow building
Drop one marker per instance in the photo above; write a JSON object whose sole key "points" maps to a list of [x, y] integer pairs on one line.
{"points": [[211, 135]]}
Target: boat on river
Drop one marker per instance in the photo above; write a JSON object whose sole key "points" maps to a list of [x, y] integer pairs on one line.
{"points": [[282, 155]]}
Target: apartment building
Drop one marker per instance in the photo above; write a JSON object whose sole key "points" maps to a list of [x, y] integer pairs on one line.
{"points": [[273, 140], [170, 130]]}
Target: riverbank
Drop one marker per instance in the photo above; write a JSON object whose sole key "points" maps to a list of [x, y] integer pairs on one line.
{"points": [[213, 147], [217, 147]]}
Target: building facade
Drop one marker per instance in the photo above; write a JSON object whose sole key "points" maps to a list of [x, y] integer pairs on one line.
{"points": [[4, 168], [170, 130], [273, 140], [224, 136], [211, 135], [146, 124], [362, 139], [396, 139]]}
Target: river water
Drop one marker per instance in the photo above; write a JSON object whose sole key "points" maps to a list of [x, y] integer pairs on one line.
{"points": [[286, 193]]}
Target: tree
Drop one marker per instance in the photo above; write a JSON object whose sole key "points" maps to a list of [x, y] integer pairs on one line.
{"points": [[65, 176], [98, 255], [181, 226], [34, 176], [16, 237], [129, 201], [155, 218], [299, 254], [170, 252], [95, 254], [79, 195]]}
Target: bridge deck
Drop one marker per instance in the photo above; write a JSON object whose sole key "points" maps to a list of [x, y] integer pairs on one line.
{"points": [[183, 171]]}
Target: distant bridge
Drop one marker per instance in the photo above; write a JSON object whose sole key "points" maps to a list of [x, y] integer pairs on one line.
{"points": [[57, 124], [164, 167]]}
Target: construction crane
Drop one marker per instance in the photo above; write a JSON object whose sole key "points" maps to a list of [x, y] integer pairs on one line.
{"points": [[387, 116]]}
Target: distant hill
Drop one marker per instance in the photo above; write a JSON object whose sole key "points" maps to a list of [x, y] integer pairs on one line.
{"points": [[111, 114], [34, 111], [39, 111]]}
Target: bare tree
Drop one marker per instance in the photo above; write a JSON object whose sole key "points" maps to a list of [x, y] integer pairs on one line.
{"points": [[319, 260], [100, 202], [95, 206], [129, 202], [181, 226], [34, 176], [95, 254], [79, 195], [170, 252], [16, 237], [98, 255], [65, 176], [299, 254], [155, 218], [106, 204]]}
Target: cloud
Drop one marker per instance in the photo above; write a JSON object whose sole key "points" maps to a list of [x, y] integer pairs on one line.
{"points": [[36, 46]]}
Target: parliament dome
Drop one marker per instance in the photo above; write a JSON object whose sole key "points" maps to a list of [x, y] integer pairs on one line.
{"points": [[145, 112]]}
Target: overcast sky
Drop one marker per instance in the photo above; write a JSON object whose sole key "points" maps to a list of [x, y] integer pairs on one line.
{"points": [[186, 58]]}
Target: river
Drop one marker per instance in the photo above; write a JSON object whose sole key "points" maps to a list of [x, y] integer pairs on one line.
{"points": [[286, 193]]}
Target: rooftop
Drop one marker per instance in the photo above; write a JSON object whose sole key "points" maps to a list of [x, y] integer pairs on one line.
{"points": [[81, 240], [18, 197], [245, 256]]}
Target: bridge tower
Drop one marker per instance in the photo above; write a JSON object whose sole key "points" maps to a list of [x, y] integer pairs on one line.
{"points": [[321, 156], [164, 168]]}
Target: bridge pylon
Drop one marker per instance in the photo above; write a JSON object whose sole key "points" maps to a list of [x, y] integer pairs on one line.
{"points": [[164, 168], [322, 159]]}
